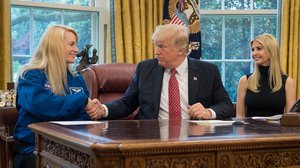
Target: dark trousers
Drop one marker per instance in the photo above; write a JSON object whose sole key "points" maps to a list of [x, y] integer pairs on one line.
{"points": [[22, 160]]}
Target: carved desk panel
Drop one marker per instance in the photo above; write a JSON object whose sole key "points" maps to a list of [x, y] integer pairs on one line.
{"points": [[164, 143]]}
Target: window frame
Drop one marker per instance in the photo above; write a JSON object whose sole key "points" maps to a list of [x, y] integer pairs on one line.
{"points": [[227, 12], [99, 28]]}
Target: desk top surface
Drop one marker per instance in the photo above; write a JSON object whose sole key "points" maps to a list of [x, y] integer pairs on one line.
{"points": [[133, 131]]}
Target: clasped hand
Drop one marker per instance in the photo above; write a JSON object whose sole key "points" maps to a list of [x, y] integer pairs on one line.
{"points": [[198, 111], [94, 109]]}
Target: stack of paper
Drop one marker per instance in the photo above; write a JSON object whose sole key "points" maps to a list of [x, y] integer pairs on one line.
{"points": [[212, 122], [270, 118], [76, 122]]}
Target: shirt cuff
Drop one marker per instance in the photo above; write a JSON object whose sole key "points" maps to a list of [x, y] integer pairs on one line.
{"points": [[213, 113], [106, 110]]}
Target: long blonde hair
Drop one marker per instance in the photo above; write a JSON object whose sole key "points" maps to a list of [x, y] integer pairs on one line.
{"points": [[50, 56], [270, 45]]}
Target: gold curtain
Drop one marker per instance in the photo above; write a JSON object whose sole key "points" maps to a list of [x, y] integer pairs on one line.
{"points": [[4, 43], [290, 40], [135, 21]]}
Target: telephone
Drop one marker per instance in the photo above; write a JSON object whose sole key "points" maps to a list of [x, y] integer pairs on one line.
{"points": [[296, 107], [292, 118]]}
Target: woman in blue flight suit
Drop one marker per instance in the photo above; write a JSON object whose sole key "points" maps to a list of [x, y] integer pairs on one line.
{"points": [[48, 90]]}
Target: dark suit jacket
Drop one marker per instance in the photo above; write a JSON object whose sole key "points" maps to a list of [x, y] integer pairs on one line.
{"points": [[204, 86]]}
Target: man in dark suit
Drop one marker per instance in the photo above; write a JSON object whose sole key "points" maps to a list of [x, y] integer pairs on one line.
{"points": [[202, 94]]}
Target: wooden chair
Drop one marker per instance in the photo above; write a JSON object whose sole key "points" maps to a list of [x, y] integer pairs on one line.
{"points": [[8, 119]]}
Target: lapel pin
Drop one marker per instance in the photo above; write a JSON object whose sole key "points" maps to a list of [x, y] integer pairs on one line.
{"points": [[195, 78]]}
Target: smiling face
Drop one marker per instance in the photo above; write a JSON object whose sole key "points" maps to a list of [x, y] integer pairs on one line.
{"points": [[259, 54], [70, 45]]}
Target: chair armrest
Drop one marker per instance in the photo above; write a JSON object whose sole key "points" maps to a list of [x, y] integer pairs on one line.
{"points": [[8, 118]]}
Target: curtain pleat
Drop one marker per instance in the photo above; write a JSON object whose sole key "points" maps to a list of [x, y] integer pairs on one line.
{"points": [[290, 40], [5, 43], [135, 21]]}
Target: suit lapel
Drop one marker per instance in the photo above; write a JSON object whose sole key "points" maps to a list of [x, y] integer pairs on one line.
{"points": [[193, 81], [157, 77]]}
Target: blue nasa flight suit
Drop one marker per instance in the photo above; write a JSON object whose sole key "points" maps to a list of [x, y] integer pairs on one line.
{"points": [[37, 103]]}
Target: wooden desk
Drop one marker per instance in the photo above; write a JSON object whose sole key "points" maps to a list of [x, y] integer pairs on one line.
{"points": [[145, 143]]}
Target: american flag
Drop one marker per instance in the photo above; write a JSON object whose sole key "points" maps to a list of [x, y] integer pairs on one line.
{"points": [[176, 20], [175, 13]]}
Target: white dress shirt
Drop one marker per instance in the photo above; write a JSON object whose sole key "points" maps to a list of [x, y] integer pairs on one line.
{"points": [[182, 78]]}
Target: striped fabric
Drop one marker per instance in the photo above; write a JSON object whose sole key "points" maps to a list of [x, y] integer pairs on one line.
{"points": [[176, 20]]}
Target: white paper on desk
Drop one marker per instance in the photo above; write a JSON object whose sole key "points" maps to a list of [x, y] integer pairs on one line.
{"points": [[76, 122], [212, 122], [271, 118]]}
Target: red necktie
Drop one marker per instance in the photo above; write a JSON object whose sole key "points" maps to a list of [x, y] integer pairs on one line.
{"points": [[174, 97]]}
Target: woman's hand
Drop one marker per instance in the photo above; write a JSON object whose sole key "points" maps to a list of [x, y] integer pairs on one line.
{"points": [[94, 109]]}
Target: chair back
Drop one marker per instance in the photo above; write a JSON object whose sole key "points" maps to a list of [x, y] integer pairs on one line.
{"points": [[108, 82], [8, 120]]}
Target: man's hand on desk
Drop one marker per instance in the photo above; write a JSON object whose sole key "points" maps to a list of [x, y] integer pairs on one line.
{"points": [[198, 111], [94, 109]]}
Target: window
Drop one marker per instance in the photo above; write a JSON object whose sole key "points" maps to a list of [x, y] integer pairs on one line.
{"points": [[227, 26], [30, 19]]}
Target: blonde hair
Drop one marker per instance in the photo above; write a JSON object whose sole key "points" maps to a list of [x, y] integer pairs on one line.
{"points": [[270, 45], [179, 33], [50, 56]]}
